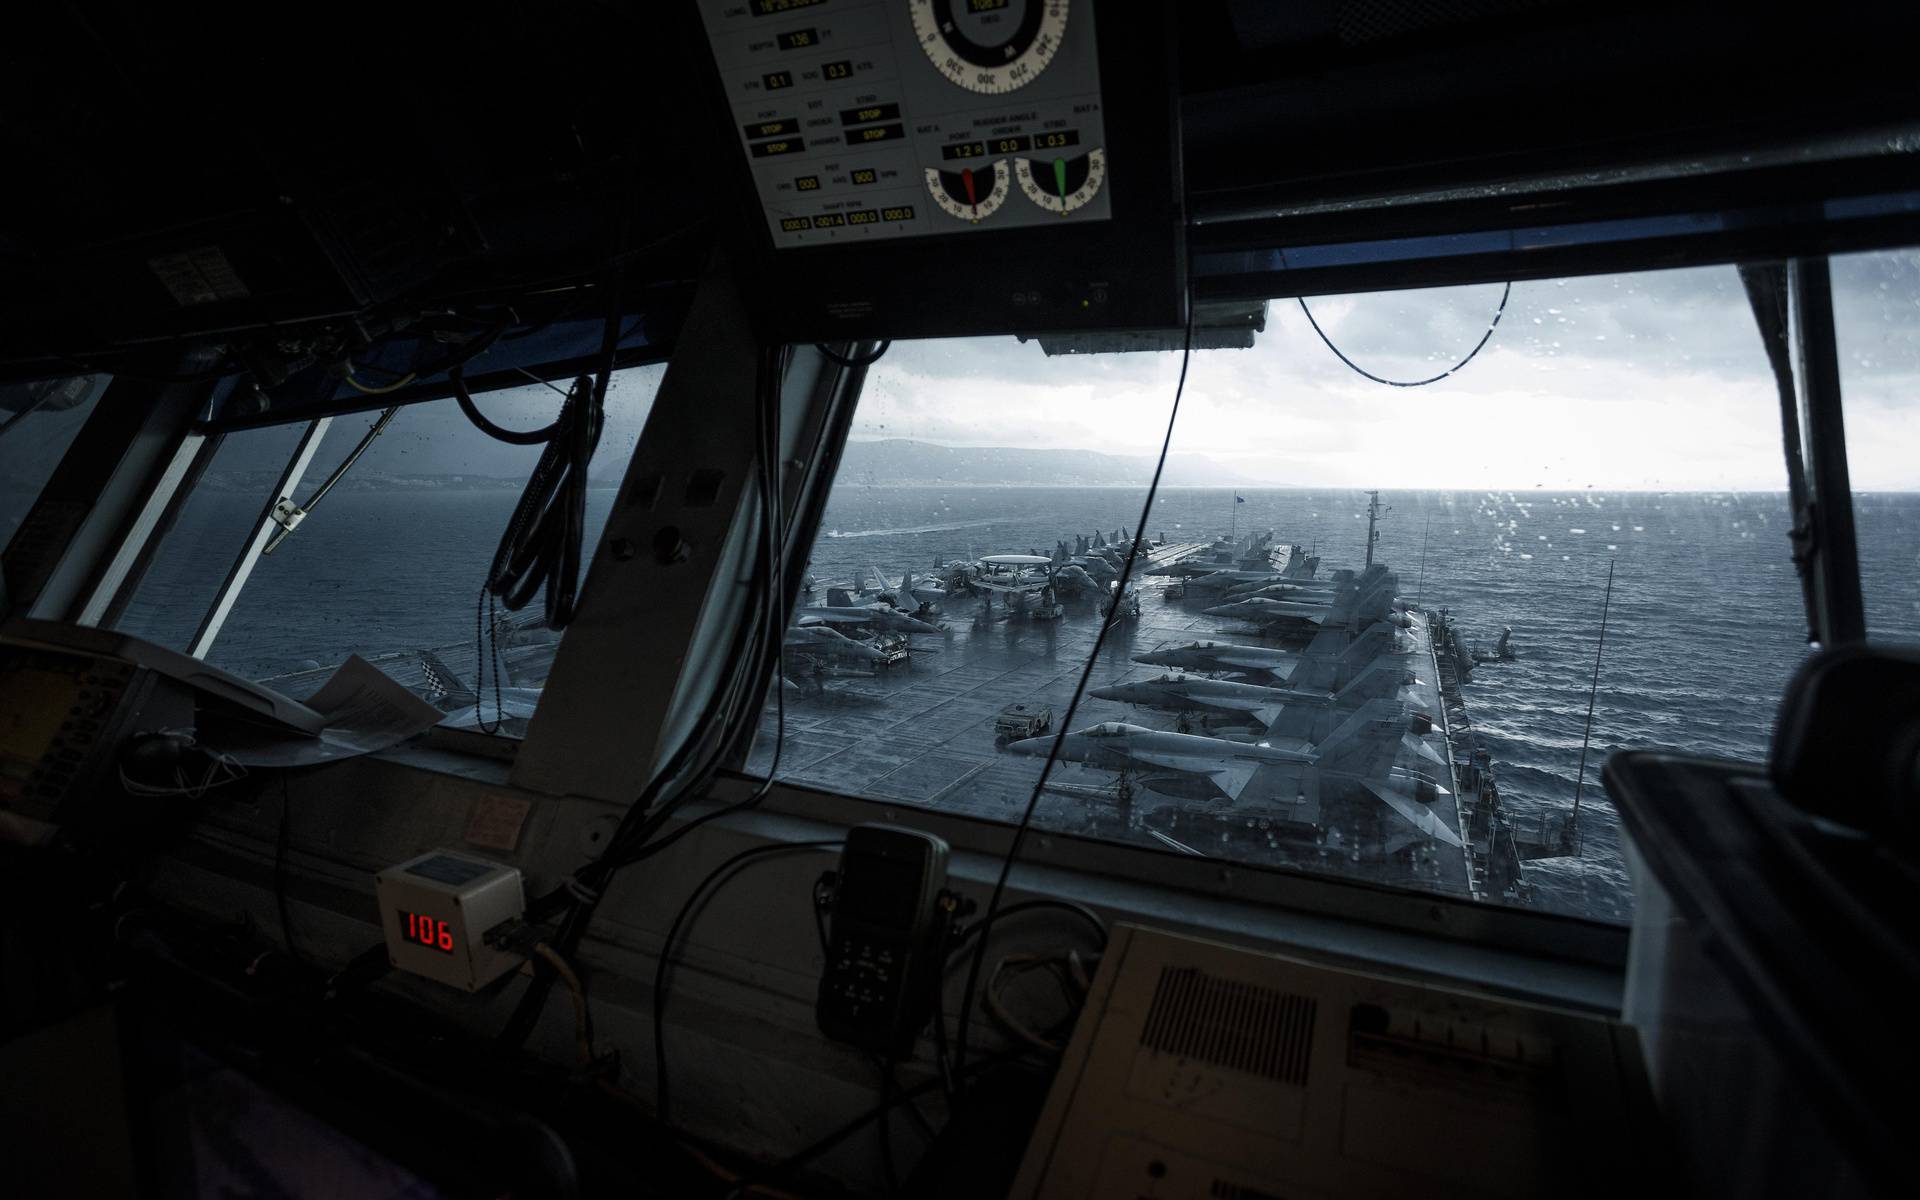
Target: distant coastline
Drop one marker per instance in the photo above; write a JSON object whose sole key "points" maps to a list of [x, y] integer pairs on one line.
{"points": [[256, 483]]}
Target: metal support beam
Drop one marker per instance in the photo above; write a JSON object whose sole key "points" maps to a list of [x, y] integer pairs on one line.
{"points": [[141, 537], [92, 515], [264, 527], [673, 574], [1841, 615]]}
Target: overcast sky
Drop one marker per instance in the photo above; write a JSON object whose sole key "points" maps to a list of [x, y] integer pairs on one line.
{"points": [[1646, 381], [1640, 381]]}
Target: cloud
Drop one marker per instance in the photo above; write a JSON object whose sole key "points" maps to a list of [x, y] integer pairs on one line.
{"points": [[1656, 380]]}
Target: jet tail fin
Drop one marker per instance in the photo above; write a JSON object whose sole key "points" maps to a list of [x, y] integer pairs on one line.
{"points": [[1366, 743], [443, 688], [1414, 813], [1380, 679]]}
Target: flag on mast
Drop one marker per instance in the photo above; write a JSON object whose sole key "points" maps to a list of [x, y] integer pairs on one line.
{"points": [[1239, 499]]}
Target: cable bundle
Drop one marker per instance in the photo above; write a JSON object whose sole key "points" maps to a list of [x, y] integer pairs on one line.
{"points": [[542, 542]]}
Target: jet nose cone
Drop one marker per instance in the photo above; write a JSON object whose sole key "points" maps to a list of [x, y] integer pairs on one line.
{"points": [[1222, 610], [1034, 745]]}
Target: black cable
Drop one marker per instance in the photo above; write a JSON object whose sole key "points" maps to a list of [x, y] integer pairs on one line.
{"points": [[889, 1170], [633, 840], [280, 871], [770, 370], [1073, 706], [663, 1097], [513, 437], [1358, 370], [865, 360], [941, 1060], [1079, 910], [773, 524], [823, 1145], [911, 1105]]}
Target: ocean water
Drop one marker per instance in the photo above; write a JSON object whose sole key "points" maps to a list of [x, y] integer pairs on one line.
{"points": [[1704, 629]]}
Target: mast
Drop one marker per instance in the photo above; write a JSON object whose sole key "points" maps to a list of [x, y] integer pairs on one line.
{"points": [[1373, 518], [1420, 589], [1593, 690]]}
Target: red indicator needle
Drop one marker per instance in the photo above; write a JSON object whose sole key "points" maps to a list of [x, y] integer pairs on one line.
{"points": [[966, 178]]}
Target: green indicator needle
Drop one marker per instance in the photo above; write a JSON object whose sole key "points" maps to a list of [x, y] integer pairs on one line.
{"points": [[1060, 182]]}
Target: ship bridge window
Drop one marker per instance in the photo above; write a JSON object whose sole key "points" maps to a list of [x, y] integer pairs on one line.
{"points": [[38, 421], [389, 565], [1611, 454], [1876, 316]]}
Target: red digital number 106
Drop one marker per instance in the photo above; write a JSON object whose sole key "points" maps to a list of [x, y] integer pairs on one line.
{"points": [[429, 931]]}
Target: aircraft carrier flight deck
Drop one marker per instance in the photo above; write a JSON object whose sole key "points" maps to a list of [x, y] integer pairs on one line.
{"points": [[923, 732]]}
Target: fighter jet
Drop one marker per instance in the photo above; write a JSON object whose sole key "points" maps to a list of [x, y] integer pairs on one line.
{"points": [[1222, 580], [1362, 753], [1070, 579], [847, 610], [826, 642], [1098, 566], [1331, 659], [925, 593], [1373, 603], [1281, 711], [874, 616], [1177, 763], [1280, 587], [1188, 568], [1299, 564]]}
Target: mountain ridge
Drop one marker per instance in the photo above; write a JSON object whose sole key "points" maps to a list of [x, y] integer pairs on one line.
{"points": [[892, 461]]}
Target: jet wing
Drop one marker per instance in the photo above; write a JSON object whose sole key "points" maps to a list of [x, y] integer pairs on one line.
{"points": [[840, 618], [1249, 663], [1416, 814], [1231, 776], [1421, 749], [1245, 704], [1234, 777], [1317, 613]]}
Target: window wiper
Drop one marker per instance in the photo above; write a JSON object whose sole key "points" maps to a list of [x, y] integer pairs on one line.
{"points": [[288, 515]]}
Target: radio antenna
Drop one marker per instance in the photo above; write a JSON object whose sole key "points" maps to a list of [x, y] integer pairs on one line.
{"points": [[1420, 589], [1593, 691]]}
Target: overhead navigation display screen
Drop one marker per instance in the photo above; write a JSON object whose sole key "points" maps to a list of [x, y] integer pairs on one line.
{"points": [[863, 121]]}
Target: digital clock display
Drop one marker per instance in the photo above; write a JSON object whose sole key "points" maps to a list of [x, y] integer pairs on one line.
{"points": [[431, 932]]}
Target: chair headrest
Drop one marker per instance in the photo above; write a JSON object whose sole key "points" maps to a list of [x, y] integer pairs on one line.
{"points": [[1847, 745]]}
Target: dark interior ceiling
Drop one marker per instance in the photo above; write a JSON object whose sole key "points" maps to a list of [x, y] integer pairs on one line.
{"points": [[365, 162]]}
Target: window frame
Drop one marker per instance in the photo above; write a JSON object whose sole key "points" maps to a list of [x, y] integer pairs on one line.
{"points": [[1070, 865], [1501, 926], [1058, 858]]}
